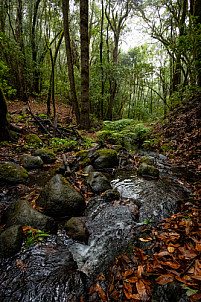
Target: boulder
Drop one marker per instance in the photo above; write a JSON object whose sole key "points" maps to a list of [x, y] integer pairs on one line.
{"points": [[12, 173], [107, 158], [76, 229], [88, 169], [147, 170], [33, 140], [149, 160], [11, 241], [31, 162], [60, 199], [98, 182], [47, 155], [111, 195], [22, 213]]}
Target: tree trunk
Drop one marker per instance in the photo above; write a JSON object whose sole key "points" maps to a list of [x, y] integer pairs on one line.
{"points": [[101, 63], [195, 9], [36, 73], [6, 129], [85, 104], [21, 58], [65, 8]]}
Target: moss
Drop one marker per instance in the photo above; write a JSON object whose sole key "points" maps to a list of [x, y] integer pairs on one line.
{"points": [[33, 139], [12, 173], [47, 155], [82, 154], [107, 153]]}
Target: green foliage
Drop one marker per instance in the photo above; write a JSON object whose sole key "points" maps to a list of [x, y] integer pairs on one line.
{"points": [[117, 125], [61, 144], [35, 236], [146, 221], [124, 132]]}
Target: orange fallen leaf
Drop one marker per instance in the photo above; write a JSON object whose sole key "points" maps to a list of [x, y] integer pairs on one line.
{"points": [[164, 279], [195, 298], [127, 290], [146, 239], [171, 249], [171, 264], [141, 288]]}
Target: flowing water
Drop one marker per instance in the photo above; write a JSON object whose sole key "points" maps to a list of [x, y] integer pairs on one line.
{"points": [[61, 269]]}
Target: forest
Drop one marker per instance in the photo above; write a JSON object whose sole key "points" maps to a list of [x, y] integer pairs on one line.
{"points": [[100, 150]]}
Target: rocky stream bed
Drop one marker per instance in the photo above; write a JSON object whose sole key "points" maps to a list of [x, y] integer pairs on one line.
{"points": [[64, 265]]}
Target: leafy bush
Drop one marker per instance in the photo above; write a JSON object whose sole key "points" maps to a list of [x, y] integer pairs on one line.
{"points": [[123, 132], [61, 144]]}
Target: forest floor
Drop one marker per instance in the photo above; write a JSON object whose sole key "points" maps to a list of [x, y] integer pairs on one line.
{"points": [[177, 240]]}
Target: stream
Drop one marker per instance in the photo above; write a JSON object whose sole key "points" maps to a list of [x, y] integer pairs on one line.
{"points": [[62, 269]]}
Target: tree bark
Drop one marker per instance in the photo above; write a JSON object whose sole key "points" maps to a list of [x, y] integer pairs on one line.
{"points": [[85, 104], [36, 73], [6, 129], [195, 10], [75, 105]]}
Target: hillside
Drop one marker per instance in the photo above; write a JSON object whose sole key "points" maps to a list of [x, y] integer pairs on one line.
{"points": [[179, 136]]}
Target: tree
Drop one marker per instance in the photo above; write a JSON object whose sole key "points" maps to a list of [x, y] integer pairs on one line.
{"points": [[65, 9], [116, 17], [85, 104], [7, 131]]}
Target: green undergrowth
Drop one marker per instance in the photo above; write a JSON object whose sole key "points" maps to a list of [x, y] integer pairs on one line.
{"points": [[126, 132]]}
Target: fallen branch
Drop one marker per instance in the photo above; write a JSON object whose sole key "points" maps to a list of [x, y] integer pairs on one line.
{"points": [[38, 121]]}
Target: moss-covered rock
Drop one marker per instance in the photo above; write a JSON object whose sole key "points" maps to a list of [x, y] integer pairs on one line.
{"points": [[33, 140], [47, 155], [149, 160], [111, 195], [12, 173], [107, 159], [11, 241], [76, 229], [83, 157], [60, 199], [22, 213], [98, 182], [31, 162], [147, 170]]}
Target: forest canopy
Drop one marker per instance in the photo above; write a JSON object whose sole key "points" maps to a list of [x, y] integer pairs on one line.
{"points": [[71, 51]]}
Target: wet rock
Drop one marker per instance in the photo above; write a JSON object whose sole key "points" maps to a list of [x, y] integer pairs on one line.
{"points": [[22, 213], [31, 162], [11, 241], [47, 155], [110, 228], [83, 158], [98, 182], [111, 195], [45, 272], [107, 159], [147, 170], [33, 140], [12, 173], [59, 198], [76, 229], [149, 160], [88, 169]]}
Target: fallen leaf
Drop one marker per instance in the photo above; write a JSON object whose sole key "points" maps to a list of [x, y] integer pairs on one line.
{"points": [[146, 239], [171, 264], [127, 290], [195, 297], [97, 288], [141, 288], [171, 249], [164, 279]]}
